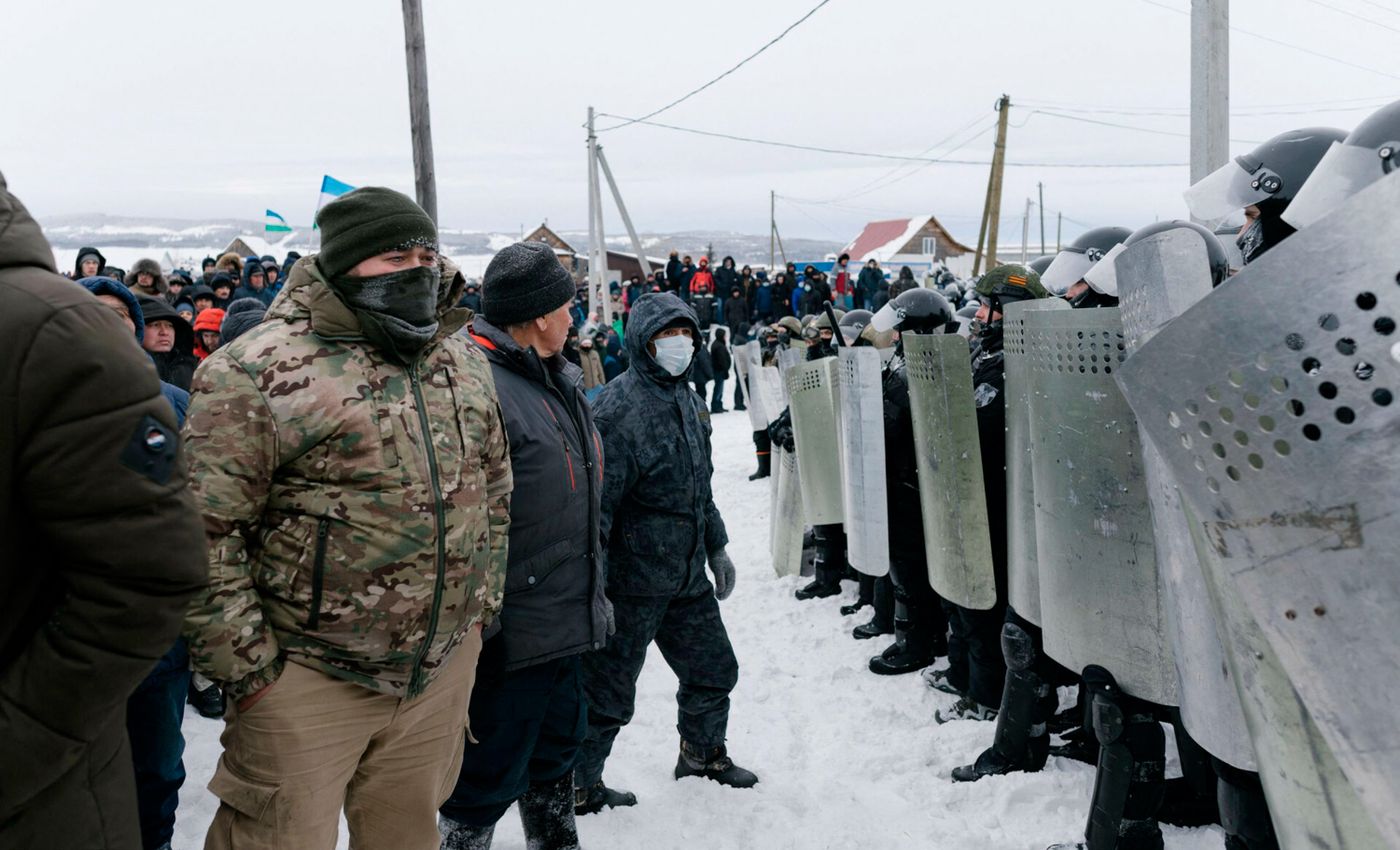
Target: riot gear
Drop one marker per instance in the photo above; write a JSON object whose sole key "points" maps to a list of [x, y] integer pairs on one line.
{"points": [[852, 324], [915, 311], [1070, 265], [1368, 153], [1040, 264]]}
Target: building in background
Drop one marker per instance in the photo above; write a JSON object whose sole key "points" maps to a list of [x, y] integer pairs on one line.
{"points": [[919, 243]]}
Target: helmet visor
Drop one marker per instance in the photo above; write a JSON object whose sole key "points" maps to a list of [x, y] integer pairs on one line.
{"points": [[885, 318], [1068, 268], [851, 333], [1227, 189], [1103, 277], [1341, 173]]}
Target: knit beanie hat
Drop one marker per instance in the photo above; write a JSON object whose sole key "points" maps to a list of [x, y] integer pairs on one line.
{"points": [[524, 281], [242, 315], [368, 221]]}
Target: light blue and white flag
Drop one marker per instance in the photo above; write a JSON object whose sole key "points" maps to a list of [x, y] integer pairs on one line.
{"points": [[331, 189]]}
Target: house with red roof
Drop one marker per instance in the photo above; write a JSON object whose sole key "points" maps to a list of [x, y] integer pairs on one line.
{"points": [[919, 242]]}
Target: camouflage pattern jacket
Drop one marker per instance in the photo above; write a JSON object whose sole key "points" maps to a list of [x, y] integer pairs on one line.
{"points": [[356, 511]]}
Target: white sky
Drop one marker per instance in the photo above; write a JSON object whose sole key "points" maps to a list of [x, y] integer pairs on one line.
{"points": [[203, 109]]}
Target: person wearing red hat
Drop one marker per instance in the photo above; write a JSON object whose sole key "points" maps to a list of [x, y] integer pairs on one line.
{"points": [[206, 331]]}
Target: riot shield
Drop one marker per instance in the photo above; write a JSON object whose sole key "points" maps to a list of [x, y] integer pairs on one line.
{"points": [[1099, 599], [767, 387], [747, 363], [786, 517], [812, 399], [1158, 278], [957, 541], [864, 498], [1022, 574], [1283, 438]]}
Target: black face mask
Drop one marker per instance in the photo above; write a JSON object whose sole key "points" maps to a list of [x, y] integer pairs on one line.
{"points": [[397, 311], [1262, 234], [1089, 299]]}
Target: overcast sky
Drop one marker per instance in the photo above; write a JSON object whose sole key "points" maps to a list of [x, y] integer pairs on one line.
{"points": [[201, 109]]}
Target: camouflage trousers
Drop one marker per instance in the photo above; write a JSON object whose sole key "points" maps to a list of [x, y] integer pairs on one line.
{"points": [[692, 639]]}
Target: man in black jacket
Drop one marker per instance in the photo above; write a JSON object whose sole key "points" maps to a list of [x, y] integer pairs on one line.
{"points": [[169, 339], [660, 526], [527, 709]]}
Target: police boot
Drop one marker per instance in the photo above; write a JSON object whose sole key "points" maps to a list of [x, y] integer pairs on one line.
{"points": [[713, 763], [1021, 742], [765, 466], [206, 697], [1244, 811], [547, 814], [865, 597], [828, 574], [882, 623], [460, 836], [1190, 799], [1079, 743], [913, 649], [596, 797], [1128, 785]]}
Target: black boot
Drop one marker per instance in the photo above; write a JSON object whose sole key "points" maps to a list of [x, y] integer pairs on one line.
{"points": [[713, 763], [596, 797], [866, 597], [209, 701], [460, 836], [826, 565], [547, 814], [1244, 811], [1021, 742], [765, 466], [915, 645], [1129, 780]]}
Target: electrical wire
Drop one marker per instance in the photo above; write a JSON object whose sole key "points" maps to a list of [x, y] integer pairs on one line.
{"points": [[1350, 14], [1151, 130], [1384, 8], [1184, 112], [892, 157], [989, 121], [1281, 43], [745, 61]]}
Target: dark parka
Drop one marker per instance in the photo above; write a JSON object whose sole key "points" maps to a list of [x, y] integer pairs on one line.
{"points": [[659, 519], [177, 365], [554, 602], [100, 549]]}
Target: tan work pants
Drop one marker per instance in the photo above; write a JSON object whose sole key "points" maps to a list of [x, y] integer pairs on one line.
{"points": [[315, 744]]}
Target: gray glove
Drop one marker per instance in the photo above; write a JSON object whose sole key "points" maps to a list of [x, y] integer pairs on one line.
{"points": [[609, 616], [723, 570]]}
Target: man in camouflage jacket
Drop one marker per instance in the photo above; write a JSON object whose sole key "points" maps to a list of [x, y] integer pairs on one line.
{"points": [[349, 458]]}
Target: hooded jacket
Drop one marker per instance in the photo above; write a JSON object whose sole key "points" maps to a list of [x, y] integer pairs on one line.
{"points": [[356, 510], [177, 365], [211, 319], [158, 282], [78, 263], [245, 287], [658, 516], [100, 548], [554, 603]]}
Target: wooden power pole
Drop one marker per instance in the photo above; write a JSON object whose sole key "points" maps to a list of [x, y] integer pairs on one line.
{"points": [[424, 177], [991, 212], [1210, 86]]}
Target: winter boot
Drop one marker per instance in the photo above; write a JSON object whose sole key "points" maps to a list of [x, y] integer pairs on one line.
{"points": [[1191, 799], [1129, 781], [713, 763], [1021, 742], [596, 797], [966, 708], [1244, 811], [547, 814], [914, 642], [826, 565], [1064, 721], [765, 466], [939, 681], [206, 697], [460, 836], [866, 597]]}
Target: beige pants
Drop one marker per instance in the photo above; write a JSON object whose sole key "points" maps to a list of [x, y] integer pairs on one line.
{"points": [[315, 744]]}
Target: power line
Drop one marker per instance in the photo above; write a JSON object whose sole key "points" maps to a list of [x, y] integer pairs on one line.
{"points": [[741, 64], [1350, 14], [1184, 113], [1373, 100], [888, 156], [1380, 6], [980, 119], [1151, 130], [1281, 43]]}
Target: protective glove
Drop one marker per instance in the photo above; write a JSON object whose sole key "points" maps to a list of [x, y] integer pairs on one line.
{"points": [[723, 570], [780, 432], [609, 616]]}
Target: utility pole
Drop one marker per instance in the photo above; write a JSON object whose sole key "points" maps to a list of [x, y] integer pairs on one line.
{"points": [[772, 227], [1210, 86], [597, 251], [626, 219], [992, 211], [1059, 228], [424, 177], [982, 228], [1040, 205], [1025, 230]]}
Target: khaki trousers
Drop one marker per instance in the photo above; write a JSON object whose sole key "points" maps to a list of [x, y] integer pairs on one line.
{"points": [[314, 745]]}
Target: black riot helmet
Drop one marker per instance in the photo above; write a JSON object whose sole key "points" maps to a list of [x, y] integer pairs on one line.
{"points": [[1267, 178], [917, 311], [852, 324], [1075, 259], [1368, 153], [1040, 264], [1103, 278]]}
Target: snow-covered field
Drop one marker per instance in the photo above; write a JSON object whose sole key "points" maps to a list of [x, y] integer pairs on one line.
{"points": [[847, 759]]}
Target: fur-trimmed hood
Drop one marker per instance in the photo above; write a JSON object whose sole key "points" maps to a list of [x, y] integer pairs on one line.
{"points": [[231, 264], [159, 285]]}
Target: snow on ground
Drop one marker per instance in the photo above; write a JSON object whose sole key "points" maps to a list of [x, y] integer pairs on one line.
{"points": [[846, 759]]}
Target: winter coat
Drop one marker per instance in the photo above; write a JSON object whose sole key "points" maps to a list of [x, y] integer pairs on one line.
{"points": [[869, 282], [78, 263], [177, 365], [612, 367], [736, 313], [840, 279], [554, 603], [158, 286], [211, 319], [230, 264], [100, 548], [901, 467], [702, 282], [673, 275], [357, 510], [472, 301], [720, 360], [592, 366], [726, 278], [704, 369], [818, 296], [780, 291], [683, 277], [659, 520]]}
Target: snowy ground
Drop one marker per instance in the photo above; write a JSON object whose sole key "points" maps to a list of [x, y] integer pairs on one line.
{"points": [[847, 759]]}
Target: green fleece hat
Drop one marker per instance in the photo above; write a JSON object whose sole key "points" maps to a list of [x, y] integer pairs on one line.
{"points": [[368, 221]]}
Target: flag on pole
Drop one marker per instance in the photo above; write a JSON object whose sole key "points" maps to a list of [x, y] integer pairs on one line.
{"points": [[276, 226], [331, 189]]}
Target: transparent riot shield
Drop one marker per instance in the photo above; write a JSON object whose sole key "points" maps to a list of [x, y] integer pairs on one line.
{"points": [[952, 497], [812, 399], [864, 497], [1272, 400], [786, 518], [1099, 595]]}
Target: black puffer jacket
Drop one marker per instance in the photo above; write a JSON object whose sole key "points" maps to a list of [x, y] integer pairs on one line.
{"points": [[659, 519], [177, 365], [554, 603]]}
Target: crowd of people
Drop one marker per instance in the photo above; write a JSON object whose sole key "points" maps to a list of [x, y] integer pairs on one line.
{"points": [[411, 537]]}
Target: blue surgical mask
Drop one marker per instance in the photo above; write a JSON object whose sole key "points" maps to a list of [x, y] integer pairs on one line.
{"points": [[673, 353]]}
